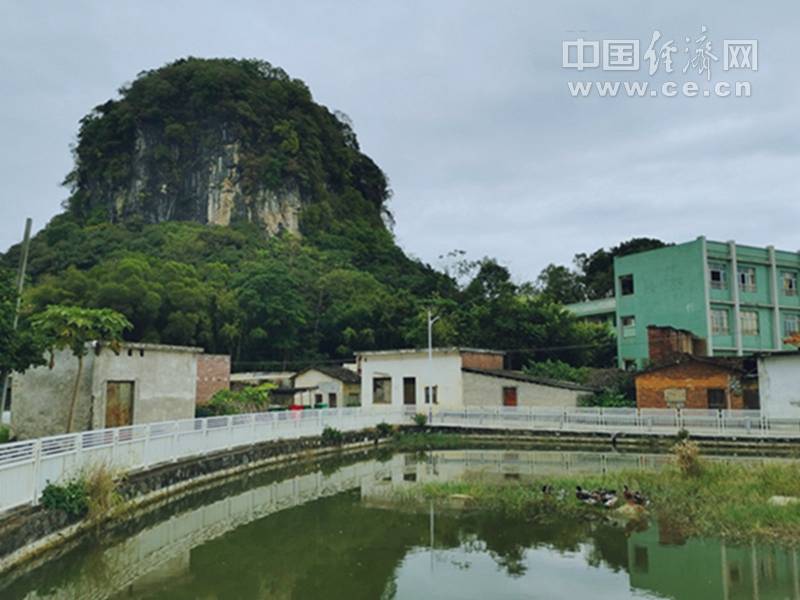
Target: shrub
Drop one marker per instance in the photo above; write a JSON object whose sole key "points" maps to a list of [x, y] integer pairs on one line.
{"points": [[71, 497], [420, 420], [383, 429], [683, 434], [102, 491], [248, 399], [332, 437], [687, 457], [5, 434]]}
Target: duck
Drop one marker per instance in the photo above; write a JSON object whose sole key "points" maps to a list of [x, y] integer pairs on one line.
{"points": [[584, 496], [632, 497]]}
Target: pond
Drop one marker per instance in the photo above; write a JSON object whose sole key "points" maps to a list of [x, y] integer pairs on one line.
{"points": [[334, 530]]}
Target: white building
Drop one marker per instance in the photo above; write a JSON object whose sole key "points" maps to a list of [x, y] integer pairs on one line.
{"points": [[327, 385], [779, 384], [456, 377]]}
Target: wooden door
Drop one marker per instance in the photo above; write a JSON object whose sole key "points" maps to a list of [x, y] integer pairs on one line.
{"points": [[509, 396], [409, 391], [332, 400], [119, 403]]}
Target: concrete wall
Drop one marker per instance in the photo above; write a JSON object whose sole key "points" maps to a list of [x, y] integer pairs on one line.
{"points": [[692, 377], [165, 388], [779, 385], [486, 390], [445, 372], [213, 375], [41, 397], [165, 382]]}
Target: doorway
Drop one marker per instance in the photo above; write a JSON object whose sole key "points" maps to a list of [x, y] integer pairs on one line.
{"points": [[509, 396], [717, 399], [119, 403], [410, 391]]}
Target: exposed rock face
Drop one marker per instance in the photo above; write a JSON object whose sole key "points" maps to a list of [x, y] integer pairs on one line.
{"points": [[207, 188]]}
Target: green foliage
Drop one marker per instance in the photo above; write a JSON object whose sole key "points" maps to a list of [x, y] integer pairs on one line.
{"points": [[332, 437], [383, 429], [608, 399], [248, 399], [22, 347], [559, 371], [420, 420], [5, 434], [72, 497], [73, 328]]}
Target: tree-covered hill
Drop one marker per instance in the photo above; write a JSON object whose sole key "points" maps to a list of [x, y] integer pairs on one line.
{"points": [[214, 203]]}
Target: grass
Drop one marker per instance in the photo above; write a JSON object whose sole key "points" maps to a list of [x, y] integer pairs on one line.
{"points": [[726, 499]]}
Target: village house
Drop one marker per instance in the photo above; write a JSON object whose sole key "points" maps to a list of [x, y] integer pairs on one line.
{"points": [[779, 384], [330, 386], [688, 381], [455, 378], [141, 383]]}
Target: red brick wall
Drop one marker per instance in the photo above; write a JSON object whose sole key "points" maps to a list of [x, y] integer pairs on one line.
{"points": [[695, 378], [475, 360], [664, 343], [213, 375]]}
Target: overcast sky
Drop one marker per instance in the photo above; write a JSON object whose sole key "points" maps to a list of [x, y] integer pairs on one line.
{"points": [[465, 106]]}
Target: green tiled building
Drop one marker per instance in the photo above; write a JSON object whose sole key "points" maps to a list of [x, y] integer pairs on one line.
{"points": [[740, 299]]}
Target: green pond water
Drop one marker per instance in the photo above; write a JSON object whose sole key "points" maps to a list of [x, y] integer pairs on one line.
{"points": [[333, 530]]}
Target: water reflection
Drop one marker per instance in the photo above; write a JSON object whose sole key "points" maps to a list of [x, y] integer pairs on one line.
{"points": [[336, 532]]}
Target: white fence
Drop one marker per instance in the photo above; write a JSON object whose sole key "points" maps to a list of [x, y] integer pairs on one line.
{"points": [[728, 423], [26, 467]]}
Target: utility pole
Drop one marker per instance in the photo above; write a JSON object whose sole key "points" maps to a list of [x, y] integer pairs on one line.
{"points": [[429, 388], [23, 267]]}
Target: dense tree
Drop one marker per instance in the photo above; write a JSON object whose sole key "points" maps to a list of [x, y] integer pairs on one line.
{"points": [[560, 284], [20, 346]]}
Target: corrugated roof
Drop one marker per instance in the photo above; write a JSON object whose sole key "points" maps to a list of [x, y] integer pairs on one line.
{"points": [[453, 349]]}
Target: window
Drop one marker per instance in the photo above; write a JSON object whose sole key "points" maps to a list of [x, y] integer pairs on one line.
{"points": [[332, 400], [626, 285], [791, 324], [629, 326], [629, 365], [716, 399], [317, 399], [382, 390], [790, 284], [749, 322], [718, 275], [432, 394], [747, 279], [409, 391], [719, 322]]}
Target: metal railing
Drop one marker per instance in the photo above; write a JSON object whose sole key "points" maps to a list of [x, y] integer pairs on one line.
{"points": [[727, 423], [26, 467]]}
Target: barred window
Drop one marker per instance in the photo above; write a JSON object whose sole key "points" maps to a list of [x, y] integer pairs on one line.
{"points": [[791, 324], [719, 322], [718, 276], [790, 283], [749, 323], [747, 279]]}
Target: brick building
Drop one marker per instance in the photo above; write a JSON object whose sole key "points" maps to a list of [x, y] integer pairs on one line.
{"points": [[213, 375], [697, 382], [667, 343]]}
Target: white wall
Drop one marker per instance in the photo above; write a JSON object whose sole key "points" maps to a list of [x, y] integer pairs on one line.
{"points": [[486, 390], [779, 385], [165, 383], [445, 372]]}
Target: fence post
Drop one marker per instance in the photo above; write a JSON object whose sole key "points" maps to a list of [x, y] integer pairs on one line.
{"points": [[37, 470], [174, 442]]}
